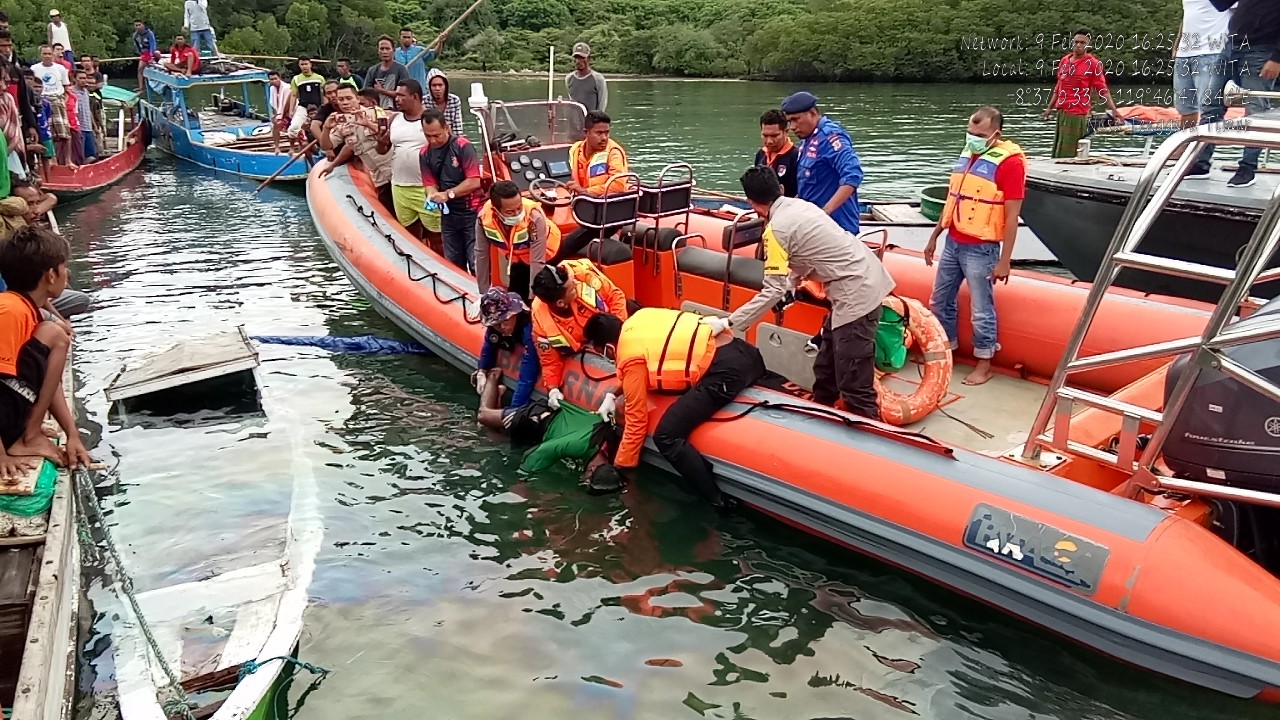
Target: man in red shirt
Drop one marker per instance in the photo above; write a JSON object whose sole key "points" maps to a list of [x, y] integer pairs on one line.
{"points": [[1080, 73], [183, 59], [988, 183]]}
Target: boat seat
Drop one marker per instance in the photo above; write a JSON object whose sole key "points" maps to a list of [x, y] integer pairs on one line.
{"points": [[744, 271], [608, 252], [605, 213], [670, 197], [742, 234], [644, 235]]}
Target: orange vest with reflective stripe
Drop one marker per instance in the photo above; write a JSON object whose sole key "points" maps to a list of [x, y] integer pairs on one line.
{"points": [[565, 333], [514, 240], [975, 205], [676, 346], [593, 171]]}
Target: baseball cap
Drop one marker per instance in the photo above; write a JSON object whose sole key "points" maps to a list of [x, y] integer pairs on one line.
{"points": [[54, 12], [499, 304], [582, 50]]}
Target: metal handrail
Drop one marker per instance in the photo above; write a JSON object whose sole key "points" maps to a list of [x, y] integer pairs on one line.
{"points": [[1205, 351]]}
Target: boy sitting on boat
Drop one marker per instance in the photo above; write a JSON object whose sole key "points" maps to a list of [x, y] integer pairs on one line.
{"points": [[33, 353]]}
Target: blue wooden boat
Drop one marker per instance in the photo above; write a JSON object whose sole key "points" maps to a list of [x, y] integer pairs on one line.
{"points": [[195, 119]]}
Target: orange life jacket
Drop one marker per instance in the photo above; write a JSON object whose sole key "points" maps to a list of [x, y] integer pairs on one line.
{"points": [[593, 172], [975, 205], [514, 240], [675, 345], [565, 333]]}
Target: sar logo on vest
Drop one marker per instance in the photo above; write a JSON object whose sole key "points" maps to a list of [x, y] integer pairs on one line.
{"points": [[782, 170]]}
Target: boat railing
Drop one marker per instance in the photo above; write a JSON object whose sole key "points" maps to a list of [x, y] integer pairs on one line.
{"points": [[1129, 454]]}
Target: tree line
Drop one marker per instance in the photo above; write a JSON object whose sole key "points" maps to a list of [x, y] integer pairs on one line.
{"points": [[844, 40]]}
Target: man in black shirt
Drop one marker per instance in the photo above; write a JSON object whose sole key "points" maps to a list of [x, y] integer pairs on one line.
{"points": [[778, 152], [1252, 58], [387, 74], [317, 127], [451, 176]]}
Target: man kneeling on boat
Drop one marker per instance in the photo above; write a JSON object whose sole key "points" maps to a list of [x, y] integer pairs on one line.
{"points": [[506, 326], [672, 351], [566, 296], [564, 432], [521, 232], [802, 241]]}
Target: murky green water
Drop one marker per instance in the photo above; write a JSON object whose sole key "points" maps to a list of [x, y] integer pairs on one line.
{"points": [[449, 587]]}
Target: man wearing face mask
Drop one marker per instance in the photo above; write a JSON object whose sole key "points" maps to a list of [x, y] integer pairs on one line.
{"points": [[988, 183], [521, 232]]}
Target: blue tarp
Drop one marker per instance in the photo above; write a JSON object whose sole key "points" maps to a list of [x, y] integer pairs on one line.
{"points": [[362, 344]]}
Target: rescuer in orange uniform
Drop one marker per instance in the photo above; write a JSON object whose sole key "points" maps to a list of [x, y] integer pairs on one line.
{"points": [[592, 161], [522, 233], [565, 297], [672, 351]]}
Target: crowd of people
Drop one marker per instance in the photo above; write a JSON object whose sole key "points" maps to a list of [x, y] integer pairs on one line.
{"points": [[556, 302]]}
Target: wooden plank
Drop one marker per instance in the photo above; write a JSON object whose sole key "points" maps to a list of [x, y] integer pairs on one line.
{"points": [[253, 626], [230, 589], [25, 485], [20, 541], [899, 214], [215, 680]]}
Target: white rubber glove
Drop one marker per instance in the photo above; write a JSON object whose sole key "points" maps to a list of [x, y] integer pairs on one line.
{"points": [[717, 324], [479, 379], [607, 407], [554, 397]]}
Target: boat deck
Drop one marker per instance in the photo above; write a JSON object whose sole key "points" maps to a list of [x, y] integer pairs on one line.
{"points": [[1003, 407]]}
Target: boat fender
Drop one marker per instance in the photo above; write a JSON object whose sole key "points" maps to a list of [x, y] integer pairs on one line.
{"points": [[926, 333]]}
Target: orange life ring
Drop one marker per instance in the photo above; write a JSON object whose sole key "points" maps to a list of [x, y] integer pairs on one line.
{"points": [[926, 332]]}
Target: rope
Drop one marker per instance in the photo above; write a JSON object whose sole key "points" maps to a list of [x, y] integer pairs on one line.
{"points": [[173, 699], [370, 216], [252, 666]]}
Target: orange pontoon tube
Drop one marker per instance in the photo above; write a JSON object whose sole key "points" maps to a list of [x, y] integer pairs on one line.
{"points": [[1065, 540]]}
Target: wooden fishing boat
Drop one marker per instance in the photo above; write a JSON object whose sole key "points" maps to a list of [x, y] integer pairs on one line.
{"points": [[1047, 492], [124, 146], [229, 135], [40, 600]]}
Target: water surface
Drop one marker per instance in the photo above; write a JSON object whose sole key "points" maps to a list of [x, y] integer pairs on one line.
{"points": [[449, 586]]}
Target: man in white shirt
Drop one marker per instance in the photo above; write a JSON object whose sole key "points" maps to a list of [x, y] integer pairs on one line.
{"points": [[195, 18], [279, 97], [60, 34], [54, 83], [1199, 69]]}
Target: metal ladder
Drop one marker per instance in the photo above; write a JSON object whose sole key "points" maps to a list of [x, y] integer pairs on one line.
{"points": [[1206, 349]]}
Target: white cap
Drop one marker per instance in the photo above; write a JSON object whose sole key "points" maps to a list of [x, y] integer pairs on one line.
{"points": [[54, 12]]}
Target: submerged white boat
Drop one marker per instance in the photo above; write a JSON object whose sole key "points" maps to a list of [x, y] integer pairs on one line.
{"points": [[218, 646]]}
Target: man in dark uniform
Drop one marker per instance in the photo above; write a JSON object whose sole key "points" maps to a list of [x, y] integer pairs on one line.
{"points": [[777, 151], [828, 171]]}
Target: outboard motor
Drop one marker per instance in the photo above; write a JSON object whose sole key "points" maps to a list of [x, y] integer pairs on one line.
{"points": [[1228, 434]]}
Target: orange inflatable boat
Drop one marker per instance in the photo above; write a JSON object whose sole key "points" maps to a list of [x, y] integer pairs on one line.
{"points": [[1063, 540]]}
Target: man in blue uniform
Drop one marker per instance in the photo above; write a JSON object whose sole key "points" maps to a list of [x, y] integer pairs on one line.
{"points": [[829, 172]]}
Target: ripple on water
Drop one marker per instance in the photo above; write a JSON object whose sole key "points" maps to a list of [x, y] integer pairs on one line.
{"points": [[449, 581]]}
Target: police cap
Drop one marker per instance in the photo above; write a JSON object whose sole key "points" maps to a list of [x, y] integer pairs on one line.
{"points": [[799, 102]]}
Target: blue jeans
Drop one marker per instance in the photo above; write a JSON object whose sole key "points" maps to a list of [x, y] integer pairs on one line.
{"points": [[201, 38], [1243, 64], [1197, 83], [974, 264]]}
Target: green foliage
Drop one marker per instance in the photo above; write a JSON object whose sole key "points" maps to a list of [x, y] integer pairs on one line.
{"points": [[853, 40]]}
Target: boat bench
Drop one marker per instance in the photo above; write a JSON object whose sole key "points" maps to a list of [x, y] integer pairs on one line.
{"points": [[744, 270], [606, 252]]}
